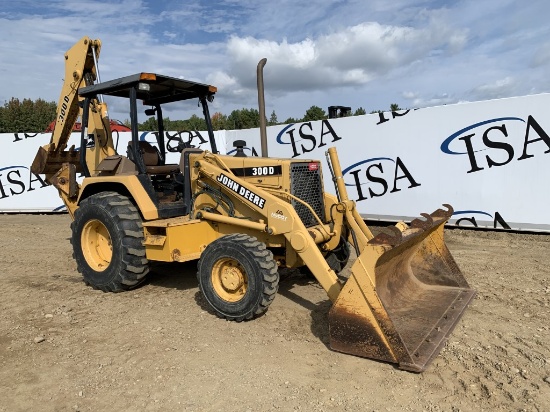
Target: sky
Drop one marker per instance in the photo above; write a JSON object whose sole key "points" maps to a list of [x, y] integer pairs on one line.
{"points": [[357, 53]]}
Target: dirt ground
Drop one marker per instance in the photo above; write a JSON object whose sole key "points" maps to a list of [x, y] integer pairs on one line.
{"points": [[67, 347]]}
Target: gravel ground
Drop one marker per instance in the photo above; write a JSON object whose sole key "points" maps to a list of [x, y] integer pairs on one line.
{"points": [[67, 347]]}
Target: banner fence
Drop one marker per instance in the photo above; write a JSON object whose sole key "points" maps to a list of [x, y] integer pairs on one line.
{"points": [[488, 159]]}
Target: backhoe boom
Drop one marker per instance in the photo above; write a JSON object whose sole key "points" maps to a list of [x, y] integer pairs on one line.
{"points": [[53, 160]]}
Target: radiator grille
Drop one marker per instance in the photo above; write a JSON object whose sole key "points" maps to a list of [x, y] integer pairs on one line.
{"points": [[306, 185]]}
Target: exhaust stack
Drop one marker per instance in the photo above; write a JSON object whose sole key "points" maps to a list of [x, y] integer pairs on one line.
{"points": [[261, 105]]}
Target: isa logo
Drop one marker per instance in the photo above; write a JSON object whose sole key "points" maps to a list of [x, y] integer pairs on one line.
{"points": [[469, 218], [189, 138], [307, 136], [16, 180], [489, 144], [373, 177]]}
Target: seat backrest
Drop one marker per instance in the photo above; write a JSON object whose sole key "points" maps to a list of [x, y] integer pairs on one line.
{"points": [[149, 152]]}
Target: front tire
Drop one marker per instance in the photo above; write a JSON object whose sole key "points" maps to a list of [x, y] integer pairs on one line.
{"points": [[238, 277], [107, 239]]}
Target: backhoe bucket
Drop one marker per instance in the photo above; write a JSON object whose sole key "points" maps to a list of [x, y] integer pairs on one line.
{"points": [[404, 297]]}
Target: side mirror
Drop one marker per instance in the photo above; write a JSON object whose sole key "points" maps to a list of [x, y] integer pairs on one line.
{"points": [[150, 112]]}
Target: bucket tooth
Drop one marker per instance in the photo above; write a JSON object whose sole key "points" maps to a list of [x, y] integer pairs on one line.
{"points": [[423, 224], [391, 239], [444, 213]]}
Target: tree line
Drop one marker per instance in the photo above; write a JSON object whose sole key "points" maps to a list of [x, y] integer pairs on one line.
{"points": [[26, 116], [35, 115], [236, 120]]}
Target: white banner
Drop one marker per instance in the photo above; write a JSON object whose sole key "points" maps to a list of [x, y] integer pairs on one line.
{"points": [[22, 191], [487, 159]]}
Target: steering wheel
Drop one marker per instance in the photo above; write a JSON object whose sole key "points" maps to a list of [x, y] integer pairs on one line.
{"points": [[175, 143]]}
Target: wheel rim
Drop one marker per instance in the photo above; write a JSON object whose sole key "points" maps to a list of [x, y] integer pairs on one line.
{"points": [[229, 280], [96, 245]]}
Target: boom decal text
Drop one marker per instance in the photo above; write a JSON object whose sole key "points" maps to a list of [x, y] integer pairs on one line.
{"points": [[241, 191]]}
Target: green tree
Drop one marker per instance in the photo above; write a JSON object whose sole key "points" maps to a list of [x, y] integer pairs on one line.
{"points": [[3, 121], [174, 125], [179, 125], [393, 107], [43, 113], [273, 119], [314, 113], [219, 121], [243, 119], [195, 123], [291, 120], [360, 111], [26, 116], [149, 125]]}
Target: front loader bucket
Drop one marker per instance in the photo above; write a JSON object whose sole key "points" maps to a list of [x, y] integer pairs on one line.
{"points": [[404, 297]]}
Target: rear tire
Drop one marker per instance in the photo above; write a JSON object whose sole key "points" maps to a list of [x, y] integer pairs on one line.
{"points": [[107, 239], [238, 277]]}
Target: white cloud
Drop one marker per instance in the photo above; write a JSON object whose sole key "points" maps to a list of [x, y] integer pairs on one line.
{"points": [[436, 100], [378, 48], [542, 55], [131, 12], [299, 55], [170, 35], [353, 56], [410, 95], [499, 88], [356, 53], [222, 80]]}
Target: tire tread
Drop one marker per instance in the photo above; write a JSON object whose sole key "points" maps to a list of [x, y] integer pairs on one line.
{"points": [[269, 275], [134, 264]]}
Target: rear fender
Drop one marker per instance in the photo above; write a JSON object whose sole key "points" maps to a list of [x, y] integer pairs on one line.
{"points": [[128, 185]]}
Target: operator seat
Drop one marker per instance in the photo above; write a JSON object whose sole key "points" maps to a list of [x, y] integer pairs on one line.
{"points": [[151, 158]]}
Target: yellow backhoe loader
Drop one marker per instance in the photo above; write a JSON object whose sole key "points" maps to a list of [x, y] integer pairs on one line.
{"points": [[243, 218]]}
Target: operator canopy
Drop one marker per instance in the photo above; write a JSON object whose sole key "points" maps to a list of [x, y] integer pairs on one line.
{"points": [[152, 88]]}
